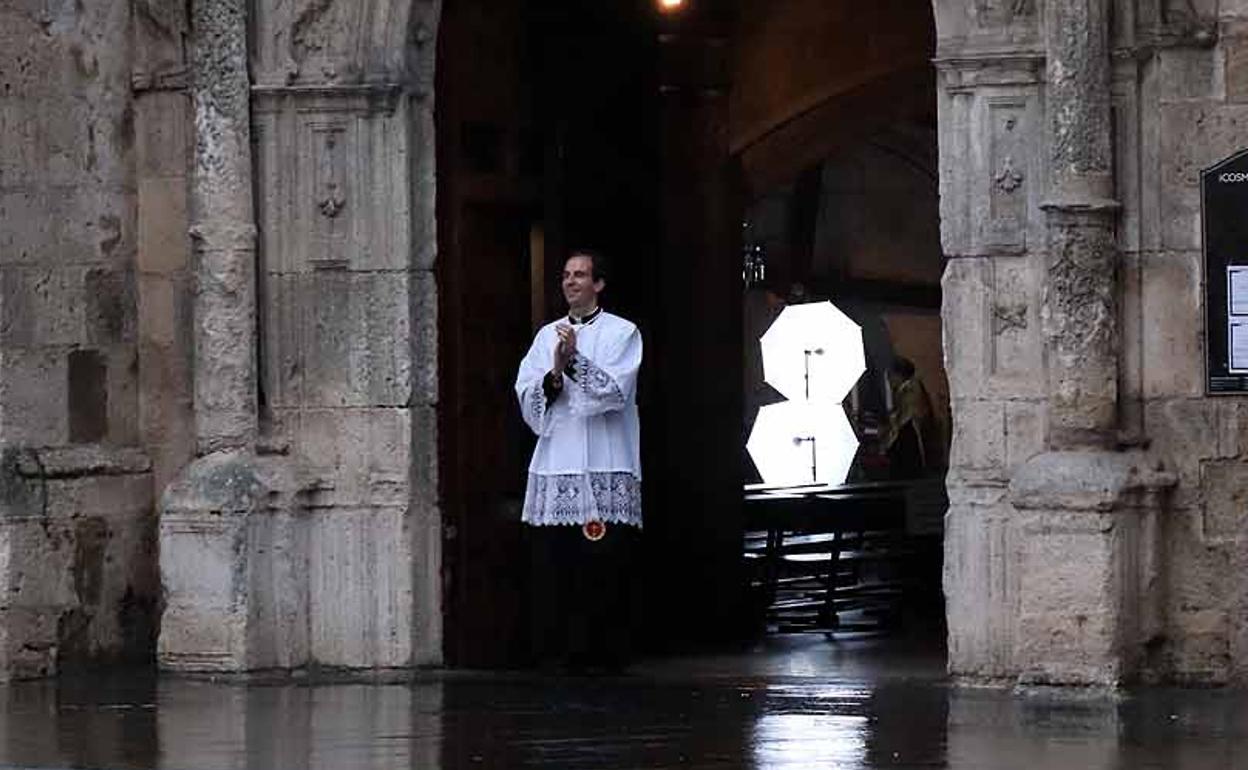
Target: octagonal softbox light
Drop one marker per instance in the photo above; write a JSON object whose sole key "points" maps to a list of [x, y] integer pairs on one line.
{"points": [[813, 352], [802, 442]]}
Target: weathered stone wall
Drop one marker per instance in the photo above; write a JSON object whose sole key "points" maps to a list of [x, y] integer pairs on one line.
{"points": [[345, 148], [76, 521], [1187, 103], [992, 182], [307, 532], [1156, 567]]}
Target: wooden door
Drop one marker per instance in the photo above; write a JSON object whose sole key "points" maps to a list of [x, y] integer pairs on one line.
{"points": [[486, 445]]}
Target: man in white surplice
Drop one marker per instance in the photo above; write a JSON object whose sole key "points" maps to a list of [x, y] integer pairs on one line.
{"points": [[577, 389]]}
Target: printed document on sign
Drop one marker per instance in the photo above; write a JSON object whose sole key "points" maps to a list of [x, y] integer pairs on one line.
{"points": [[1239, 346], [1237, 318], [1237, 290]]}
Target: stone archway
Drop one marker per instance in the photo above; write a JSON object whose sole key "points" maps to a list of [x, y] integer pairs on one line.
{"points": [[327, 547]]}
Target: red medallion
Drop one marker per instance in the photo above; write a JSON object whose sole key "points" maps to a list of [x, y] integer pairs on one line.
{"points": [[594, 530]]}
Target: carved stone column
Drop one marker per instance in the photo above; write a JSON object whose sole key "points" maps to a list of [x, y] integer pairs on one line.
{"points": [[222, 511], [223, 228], [1086, 514], [1079, 312]]}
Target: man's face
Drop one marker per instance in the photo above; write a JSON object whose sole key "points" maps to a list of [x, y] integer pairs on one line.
{"points": [[579, 287]]}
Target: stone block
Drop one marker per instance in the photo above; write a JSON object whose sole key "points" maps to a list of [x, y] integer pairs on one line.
{"points": [[79, 564], [157, 310], [1190, 432], [1187, 74], [34, 397], [1024, 431], [26, 55], [1172, 326], [1198, 649], [123, 395], [79, 224], [214, 582], [425, 526], [36, 571], [955, 175], [111, 496], [335, 188], [165, 398], [110, 311], [1069, 616], [42, 307], [1013, 341], [360, 588], [1193, 136], [981, 590], [966, 317], [425, 185], [1224, 486], [1197, 570], [333, 445], [1186, 430], [163, 221], [339, 339], [424, 337], [978, 434], [162, 130], [390, 441], [170, 456], [19, 125], [166, 312], [1131, 361], [1235, 51], [423, 455], [277, 554], [1231, 419]]}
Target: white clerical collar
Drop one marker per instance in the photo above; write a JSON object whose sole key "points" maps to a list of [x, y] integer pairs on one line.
{"points": [[585, 319]]}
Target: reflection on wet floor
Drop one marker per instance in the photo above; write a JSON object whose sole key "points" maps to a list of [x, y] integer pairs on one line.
{"points": [[845, 707]]}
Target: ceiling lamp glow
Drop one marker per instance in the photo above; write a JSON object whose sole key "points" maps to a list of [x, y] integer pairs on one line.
{"points": [[671, 5], [802, 442]]}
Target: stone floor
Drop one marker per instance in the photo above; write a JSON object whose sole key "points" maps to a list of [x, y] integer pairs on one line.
{"points": [[792, 702]]}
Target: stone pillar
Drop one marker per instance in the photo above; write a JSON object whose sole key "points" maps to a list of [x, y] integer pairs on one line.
{"points": [[222, 550], [319, 543], [1079, 314], [223, 228], [1086, 513]]}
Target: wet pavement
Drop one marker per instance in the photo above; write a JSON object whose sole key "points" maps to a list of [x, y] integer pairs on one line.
{"points": [[798, 702]]}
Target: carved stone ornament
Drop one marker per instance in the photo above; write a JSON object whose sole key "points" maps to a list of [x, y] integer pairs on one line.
{"points": [[1008, 318], [1008, 179], [332, 203]]}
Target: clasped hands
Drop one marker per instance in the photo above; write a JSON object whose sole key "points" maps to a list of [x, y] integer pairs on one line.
{"points": [[565, 349]]}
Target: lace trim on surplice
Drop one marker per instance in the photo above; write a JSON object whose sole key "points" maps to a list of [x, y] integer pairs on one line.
{"points": [[576, 498], [595, 385]]}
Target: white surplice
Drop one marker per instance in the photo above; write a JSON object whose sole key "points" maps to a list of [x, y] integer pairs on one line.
{"points": [[587, 463]]}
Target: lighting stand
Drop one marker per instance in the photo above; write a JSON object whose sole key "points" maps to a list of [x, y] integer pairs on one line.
{"points": [[808, 354], [814, 468]]}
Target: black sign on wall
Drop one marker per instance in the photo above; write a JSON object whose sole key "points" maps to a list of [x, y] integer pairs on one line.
{"points": [[1224, 220]]}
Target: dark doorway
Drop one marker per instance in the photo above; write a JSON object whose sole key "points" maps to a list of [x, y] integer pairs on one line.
{"points": [[546, 135], [647, 135]]}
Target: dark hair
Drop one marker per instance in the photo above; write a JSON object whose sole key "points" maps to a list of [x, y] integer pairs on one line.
{"points": [[600, 265], [902, 366]]}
